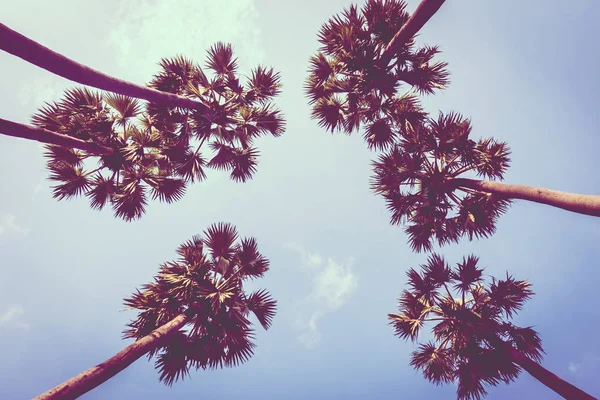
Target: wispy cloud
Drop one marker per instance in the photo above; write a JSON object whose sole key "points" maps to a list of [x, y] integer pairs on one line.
{"points": [[150, 30], [11, 318], [586, 365], [36, 190], [332, 285], [39, 90], [574, 367], [8, 224]]}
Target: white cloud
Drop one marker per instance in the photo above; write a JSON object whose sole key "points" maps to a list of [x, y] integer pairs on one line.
{"points": [[308, 259], [11, 318], [333, 284], [43, 89], [574, 367], [36, 190], [147, 31], [8, 224]]}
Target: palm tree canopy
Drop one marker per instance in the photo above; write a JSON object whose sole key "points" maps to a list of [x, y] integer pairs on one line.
{"points": [[157, 148], [205, 283], [471, 316], [416, 179], [349, 84]]}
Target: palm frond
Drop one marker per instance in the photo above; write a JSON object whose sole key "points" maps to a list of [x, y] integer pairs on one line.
{"points": [[437, 271], [73, 180], [81, 99], [493, 158], [130, 200], [435, 363], [49, 117], [467, 274], [126, 107], [527, 341], [406, 327], [220, 239], [171, 362], [190, 166], [220, 59], [252, 263], [269, 120], [101, 193], [264, 84], [168, 190], [263, 306], [509, 294], [58, 155], [192, 250], [330, 113], [379, 135]]}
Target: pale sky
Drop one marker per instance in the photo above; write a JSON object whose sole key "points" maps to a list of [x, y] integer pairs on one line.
{"points": [[525, 72]]}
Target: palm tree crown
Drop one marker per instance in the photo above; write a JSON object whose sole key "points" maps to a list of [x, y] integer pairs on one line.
{"points": [[205, 283], [156, 147], [416, 177], [350, 84], [472, 327]]}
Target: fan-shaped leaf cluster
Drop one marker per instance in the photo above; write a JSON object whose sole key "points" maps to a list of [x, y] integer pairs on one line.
{"points": [[205, 283], [471, 327], [419, 179], [157, 149], [349, 84]]}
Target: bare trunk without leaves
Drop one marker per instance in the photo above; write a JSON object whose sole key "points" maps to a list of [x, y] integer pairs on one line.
{"points": [[95, 376], [15, 129], [562, 387], [18, 45], [579, 203], [424, 11]]}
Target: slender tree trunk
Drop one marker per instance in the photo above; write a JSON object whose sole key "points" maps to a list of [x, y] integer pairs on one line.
{"points": [[425, 10], [18, 45], [95, 376], [15, 129], [562, 387], [579, 203]]}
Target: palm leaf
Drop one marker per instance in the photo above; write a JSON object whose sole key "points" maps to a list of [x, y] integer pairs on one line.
{"points": [[220, 59], [168, 190], [263, 306], [101, 192], [220, 239], [126, 107], [172, 360], [264, 83], [130, 201], [74, 181]]}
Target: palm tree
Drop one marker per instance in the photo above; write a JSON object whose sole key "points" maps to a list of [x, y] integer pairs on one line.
{"points": [[474, 343], [352, 81], [18, 45], [422, 179], [154, 148], [194, 314]]}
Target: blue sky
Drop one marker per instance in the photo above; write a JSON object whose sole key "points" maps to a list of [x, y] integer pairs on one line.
{"points": [[525, 72]]}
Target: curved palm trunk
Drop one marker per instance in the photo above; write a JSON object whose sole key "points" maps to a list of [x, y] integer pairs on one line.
{"points": [[562, 387], [15, 129], [424, 11], [18, 45], [95, 376], [579, 203]]}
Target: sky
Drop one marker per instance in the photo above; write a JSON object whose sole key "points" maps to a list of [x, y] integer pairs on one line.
{"points": [[524, 72]]}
